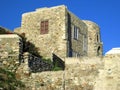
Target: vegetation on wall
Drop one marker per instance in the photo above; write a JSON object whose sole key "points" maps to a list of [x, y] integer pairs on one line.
{"points": [[57, 63], [8, 81], [56, 67]]}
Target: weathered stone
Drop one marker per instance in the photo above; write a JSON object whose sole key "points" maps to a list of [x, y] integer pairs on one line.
{"points": [[61, 39], [94, 39], [88, 72], [10, 51]]}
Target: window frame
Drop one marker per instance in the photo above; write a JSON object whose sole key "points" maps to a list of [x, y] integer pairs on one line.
{"points": [[44, 27], [75, 32]]}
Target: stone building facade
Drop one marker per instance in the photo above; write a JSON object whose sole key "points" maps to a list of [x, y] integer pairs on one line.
{"points": [[94, 39], [57, 30]]}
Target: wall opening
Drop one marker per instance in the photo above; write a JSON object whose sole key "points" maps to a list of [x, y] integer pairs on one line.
{"points": [[97, 38], [99, 51]]}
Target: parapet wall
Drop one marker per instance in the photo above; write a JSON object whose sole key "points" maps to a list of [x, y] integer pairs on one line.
{"points": [[10, 51]]}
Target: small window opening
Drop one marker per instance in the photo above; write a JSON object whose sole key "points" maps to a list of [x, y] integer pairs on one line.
{"points": [[44, 27], [97, 38], [98, 51]]}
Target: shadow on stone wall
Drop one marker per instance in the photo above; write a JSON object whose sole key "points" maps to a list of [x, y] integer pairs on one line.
{"points": [[29, 47], [37, 63]]}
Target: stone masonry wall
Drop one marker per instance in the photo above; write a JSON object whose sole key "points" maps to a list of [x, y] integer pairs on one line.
{"points": [[94, 39], [77, 76], [83, 73], [78, 45], [59, 39], [54, 41], [10, 51], [109, 77]]}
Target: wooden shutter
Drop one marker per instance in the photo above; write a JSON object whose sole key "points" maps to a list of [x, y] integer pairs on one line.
{"points": [[44, 27]]}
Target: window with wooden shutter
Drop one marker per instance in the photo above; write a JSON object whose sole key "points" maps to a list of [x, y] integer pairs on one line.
{"points": [[44, 27]]}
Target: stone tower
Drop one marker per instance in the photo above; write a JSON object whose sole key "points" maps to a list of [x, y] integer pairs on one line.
{"points": [[94, 39]]}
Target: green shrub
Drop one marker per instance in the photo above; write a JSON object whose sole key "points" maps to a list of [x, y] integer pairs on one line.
{"points": [[8, 80], [56, 67], [48, 60]]}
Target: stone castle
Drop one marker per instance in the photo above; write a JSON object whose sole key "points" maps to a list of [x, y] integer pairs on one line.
{"points": [[76, 45]]}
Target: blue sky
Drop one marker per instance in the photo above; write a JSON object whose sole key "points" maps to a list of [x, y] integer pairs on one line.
{"points": [[106, 13]]}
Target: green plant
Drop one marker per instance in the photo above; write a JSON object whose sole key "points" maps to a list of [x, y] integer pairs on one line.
{"points": [[8, 80], [48, 60], [56, 67]]}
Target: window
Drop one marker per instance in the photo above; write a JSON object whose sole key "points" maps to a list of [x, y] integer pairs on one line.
{"points": [[44, 27], [76, 29], [97, 38], [75, 54], [98, 51]]}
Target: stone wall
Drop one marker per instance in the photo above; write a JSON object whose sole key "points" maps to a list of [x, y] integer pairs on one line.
{"points": [[60, 38], [83, 73], [76, 76], [109, 77], [36, 64], [54, 41], [78, 46], [94, 39], [10, 51]]}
